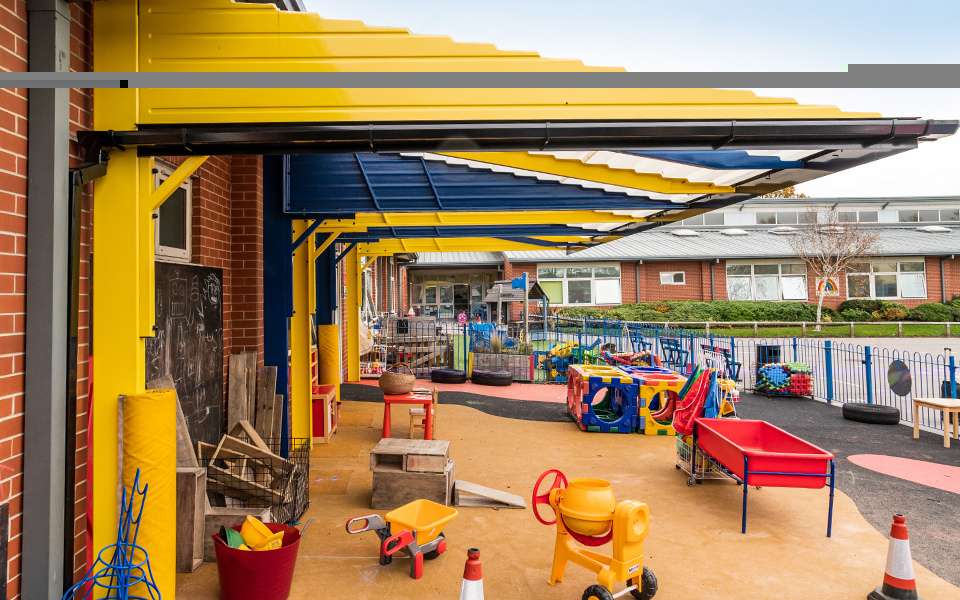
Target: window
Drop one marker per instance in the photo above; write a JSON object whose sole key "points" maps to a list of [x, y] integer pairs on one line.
{"points": [[847, 216], [172, 221], [869, 216], [807, 218], [766, 218], [887, 279], [693, 221], [786, 218], [929, 216], [673, 278], [713, 218], [581, 284], [767, 281], [950, 214], [909, 216]]}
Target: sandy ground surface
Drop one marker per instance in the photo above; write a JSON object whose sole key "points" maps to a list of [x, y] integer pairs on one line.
{"points": [[695, 546]]}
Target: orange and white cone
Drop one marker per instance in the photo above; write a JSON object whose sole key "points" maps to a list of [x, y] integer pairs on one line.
{"points": [[472, 586], [899, 582]]}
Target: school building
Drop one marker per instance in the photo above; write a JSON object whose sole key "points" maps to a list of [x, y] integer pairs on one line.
{"points": [[741, 252]]}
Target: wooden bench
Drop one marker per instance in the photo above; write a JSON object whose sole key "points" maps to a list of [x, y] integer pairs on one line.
{"points": [[947, 407]]}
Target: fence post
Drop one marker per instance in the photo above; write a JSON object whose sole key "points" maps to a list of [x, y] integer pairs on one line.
{"points": [[756, 328], [948, 329], [466, 348], [899, 328], [952, 363], [803, 328], [733, 353], [708, 329], [795, 349], [868, 372], [828, 368], [851, 329]]}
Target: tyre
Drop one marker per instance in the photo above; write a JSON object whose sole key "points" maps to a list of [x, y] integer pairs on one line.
{"points": [[596, 592], [647, 583], [498, 378], [875, 414], [448, 376]]}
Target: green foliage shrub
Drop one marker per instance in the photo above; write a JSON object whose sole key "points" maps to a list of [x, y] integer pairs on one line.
{"points": [[934, 312]]}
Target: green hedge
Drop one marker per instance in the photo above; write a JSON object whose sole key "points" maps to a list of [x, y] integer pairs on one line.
{"points": [[935, 313], [721, 310]]}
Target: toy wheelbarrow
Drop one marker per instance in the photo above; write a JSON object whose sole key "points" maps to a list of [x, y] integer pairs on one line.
{"points": [[415, 527]]}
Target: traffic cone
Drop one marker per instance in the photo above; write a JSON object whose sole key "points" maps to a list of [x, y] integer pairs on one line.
{"points": [[472, 586], [899, 582]]}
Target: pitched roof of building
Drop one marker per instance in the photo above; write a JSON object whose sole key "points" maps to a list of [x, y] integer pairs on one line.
{"points": [[755, 242]]}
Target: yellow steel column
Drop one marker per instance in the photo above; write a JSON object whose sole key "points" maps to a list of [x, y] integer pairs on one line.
{"points": [[122, 311], [352, 312], [300, 338]]}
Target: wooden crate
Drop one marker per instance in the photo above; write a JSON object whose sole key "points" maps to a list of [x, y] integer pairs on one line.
{"points": [[422, 456], [394, 487], [191, 498]]}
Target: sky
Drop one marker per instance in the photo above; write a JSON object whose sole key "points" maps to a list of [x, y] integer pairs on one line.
{"points": [[733, 35]]}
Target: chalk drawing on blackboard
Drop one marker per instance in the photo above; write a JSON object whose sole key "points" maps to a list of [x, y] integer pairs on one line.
{"points": [[188, 345]]}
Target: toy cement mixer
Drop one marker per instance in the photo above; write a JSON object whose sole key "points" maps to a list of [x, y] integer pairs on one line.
{"points": [[586, 512]]}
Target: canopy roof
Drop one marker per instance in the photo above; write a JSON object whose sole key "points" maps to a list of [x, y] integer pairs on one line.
{"points": [[203, 36]]}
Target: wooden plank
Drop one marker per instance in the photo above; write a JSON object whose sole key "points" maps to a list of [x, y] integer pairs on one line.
{"points": [[227, 516], [266, 392], [236, 391], [251, 371], [424, 463], [235, 448], [243, 429], [224, 482], [392, 488], [277, 417], [185, 455], [191, 491], [466, 493]]}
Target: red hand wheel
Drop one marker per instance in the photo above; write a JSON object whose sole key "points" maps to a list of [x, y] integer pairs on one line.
{"points": [[559, 482]]}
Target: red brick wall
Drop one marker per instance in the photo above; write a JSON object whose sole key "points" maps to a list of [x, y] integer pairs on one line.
{"points": [[13, 244], [696, 286], [81, 117], [246, 255], [951, 272]]}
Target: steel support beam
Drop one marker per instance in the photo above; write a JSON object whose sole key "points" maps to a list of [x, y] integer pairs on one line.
{"points": [[301, 337], [277, 285], [50, 410], [354, 276]]}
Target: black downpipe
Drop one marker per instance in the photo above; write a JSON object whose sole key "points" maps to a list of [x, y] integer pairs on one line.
{"points": [[943, 281], [75, 199]]}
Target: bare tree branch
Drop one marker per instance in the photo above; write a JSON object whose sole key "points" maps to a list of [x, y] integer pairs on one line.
{"points": [[829, 247]]}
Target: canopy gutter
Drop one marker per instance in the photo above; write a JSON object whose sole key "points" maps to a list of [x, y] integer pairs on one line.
{"points": [[300, 138]]}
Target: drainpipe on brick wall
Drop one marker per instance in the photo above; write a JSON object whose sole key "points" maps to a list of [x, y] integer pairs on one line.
{"points": [[637, 278], [49, 428], [713, 294], [943, 281]]}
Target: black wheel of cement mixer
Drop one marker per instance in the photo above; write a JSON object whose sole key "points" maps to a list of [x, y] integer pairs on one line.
{"points": [[596, 592], [647, 583]]}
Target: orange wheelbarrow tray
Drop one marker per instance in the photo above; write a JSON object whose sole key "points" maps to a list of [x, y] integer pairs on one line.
{"points": [[415, 527]]}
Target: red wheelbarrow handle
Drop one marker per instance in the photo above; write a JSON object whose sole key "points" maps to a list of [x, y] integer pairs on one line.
{"points": [[395, 543]]}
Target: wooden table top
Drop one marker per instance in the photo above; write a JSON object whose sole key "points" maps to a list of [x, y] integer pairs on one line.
{"points": [[948, 403]]}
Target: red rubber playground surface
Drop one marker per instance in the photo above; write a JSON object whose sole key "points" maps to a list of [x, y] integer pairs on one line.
{"points": [[537, 392], [930, 474]]}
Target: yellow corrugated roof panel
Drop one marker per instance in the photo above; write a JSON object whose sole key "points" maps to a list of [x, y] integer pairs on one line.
{"points": [[224, 36]]}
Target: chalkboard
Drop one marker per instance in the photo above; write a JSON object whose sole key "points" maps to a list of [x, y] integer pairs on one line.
{"points": [[189, 343]]}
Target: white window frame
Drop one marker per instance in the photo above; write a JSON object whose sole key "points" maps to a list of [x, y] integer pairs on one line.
{"points": [[169, 252], [780, 275], [593, 288], [666, 278], [899, 273]]}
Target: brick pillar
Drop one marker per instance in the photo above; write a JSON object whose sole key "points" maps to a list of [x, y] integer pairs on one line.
{"points": [[246, 256]]}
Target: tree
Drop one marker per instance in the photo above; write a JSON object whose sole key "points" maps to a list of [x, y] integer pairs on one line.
{"points": [[828, 247], [788, 192]]}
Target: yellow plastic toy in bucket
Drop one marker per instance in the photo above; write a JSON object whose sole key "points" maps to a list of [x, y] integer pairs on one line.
{"points": [[257, 536]]}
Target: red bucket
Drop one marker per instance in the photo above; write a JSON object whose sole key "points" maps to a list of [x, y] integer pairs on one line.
{"points": [[264, 575]]}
